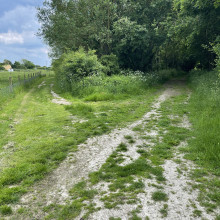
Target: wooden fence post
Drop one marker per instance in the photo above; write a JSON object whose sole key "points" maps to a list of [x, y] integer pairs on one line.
{"points": [[19, 79], [10, 84], [24, 77]]}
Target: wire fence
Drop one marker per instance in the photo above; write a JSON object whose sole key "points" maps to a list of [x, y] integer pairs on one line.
{"points": [[27, 79]]}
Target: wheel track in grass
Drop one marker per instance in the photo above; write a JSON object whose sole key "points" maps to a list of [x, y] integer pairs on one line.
{"points": [[54, 189], [9, 147], [89, 158]]}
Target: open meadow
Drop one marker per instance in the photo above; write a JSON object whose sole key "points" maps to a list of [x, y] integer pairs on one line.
{"points": [[108, 149]]}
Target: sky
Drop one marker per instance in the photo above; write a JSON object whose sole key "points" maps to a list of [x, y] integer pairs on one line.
{"points": [[18, 28]]}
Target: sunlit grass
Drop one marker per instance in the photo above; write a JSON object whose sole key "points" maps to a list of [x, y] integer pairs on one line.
{"points": [[205, 116], [45, 132]]}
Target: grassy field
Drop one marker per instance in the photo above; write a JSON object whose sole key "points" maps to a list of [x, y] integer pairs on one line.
{"points": [[4, 76], [36, 134], [6, 93]]}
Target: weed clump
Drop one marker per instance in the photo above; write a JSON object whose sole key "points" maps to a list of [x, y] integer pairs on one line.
{"points": [[5, 210], [159, 196]]}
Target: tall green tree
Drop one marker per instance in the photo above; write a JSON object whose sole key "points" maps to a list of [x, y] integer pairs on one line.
{"points": [[191, 27], [95, 24], [27, 64], [144, 34], [7, 62]]}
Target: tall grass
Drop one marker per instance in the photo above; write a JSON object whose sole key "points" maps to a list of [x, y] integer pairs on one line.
{"points": [[101, 87], [205, 116]]}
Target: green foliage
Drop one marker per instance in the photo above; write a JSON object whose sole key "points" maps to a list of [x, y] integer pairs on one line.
{"points": [[110, 63], [122, 27], [190, 28], [7, 62], [5, 210], [18, 65], [164, 211], [205, 116], [159, 196], [216, 50], [166, 74], [143, 34], [74, 66], [131, 39], [101, 87], [27, 64]]}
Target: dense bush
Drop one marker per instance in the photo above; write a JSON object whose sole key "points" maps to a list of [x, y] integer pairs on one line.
{"points": [[110, 63], [74, 66], [82, 74]]}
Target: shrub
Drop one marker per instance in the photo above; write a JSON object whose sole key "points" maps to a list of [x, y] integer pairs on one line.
{"points": [[110, 63], [74, 66]]}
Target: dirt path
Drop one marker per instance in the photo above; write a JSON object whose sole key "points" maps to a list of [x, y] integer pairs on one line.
{"points": [[54, 189]]}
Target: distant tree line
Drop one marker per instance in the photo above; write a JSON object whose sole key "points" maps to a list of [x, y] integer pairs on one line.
{"points": [[24, 64], [143, 34]]}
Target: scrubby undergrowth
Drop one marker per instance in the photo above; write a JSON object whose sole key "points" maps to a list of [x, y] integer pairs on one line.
{"points": [[100, 87]]}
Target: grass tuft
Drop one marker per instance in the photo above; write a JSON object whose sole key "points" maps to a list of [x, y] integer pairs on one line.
{"points": [[5, 210], [159, 196]]}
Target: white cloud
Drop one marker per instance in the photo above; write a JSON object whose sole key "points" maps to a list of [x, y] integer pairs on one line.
{"points": [[19, 19], [18, 40], [11, 38]]}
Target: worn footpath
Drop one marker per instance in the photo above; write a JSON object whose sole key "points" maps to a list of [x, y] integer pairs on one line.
{"points": [[137, 172]]}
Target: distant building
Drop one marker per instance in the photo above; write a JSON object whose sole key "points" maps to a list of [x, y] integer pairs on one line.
{"points": [[7, 67]]}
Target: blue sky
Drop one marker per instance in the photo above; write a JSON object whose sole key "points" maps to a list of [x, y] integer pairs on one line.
{"points": [[18, 28]]}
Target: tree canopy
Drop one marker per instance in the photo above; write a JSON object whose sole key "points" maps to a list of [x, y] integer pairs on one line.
{"points": [[143, 34]]}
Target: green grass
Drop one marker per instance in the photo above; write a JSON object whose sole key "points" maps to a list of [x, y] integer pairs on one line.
{"points": [[164, 211], [45, 134], [159, 196], [123, 188], [5, 210], [4, 76], [7, 94], [205, 116], [204, 147]]}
